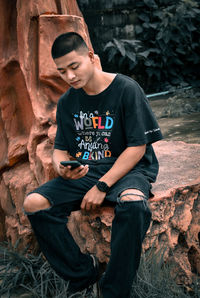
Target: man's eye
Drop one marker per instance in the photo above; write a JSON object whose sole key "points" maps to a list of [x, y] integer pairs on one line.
{"points": [[75, 67]]}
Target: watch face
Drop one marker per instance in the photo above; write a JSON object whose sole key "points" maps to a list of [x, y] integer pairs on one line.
{"points": [[102, 186]]}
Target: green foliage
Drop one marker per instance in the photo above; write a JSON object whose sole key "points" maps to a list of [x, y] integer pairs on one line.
{"points": [[126, 52], [154, 278], [23, 273], [26, 273], [166, 46]]}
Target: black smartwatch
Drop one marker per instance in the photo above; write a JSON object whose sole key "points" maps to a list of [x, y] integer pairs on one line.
{"points": [[102, 186]]}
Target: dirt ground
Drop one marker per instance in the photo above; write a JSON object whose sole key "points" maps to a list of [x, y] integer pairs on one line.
{"points": [[185, 127]]}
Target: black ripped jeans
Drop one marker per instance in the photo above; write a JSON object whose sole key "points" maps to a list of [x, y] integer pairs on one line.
{"points": [[131, 221], [129, 227]]}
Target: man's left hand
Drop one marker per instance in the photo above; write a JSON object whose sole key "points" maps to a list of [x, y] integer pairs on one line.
{"points": [[93, 199]]}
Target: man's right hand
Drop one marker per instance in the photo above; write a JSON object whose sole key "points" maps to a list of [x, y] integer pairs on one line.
{"points": [[76, 173]]}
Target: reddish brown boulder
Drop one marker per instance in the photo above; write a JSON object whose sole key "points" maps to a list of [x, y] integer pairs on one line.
{"points": [[175, 212], [14, 184], [30, 87]]}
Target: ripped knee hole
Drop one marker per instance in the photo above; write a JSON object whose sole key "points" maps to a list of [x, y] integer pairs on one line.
{"points": [[132, 197]]}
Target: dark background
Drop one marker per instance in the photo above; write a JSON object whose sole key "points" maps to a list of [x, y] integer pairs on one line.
{"points": [[168, 55]]}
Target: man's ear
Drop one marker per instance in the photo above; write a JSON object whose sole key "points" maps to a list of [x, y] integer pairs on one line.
{"points": [[91, 55]]}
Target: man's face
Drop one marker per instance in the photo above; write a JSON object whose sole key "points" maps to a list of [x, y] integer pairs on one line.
{"points": [[76, 68]]}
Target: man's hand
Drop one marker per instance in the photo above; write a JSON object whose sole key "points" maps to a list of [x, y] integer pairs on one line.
{"points": [[92, 199], [77, 173]]}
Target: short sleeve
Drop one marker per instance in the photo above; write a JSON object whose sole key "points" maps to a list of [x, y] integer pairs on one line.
{"points": [[59, 139], [141, 126]]}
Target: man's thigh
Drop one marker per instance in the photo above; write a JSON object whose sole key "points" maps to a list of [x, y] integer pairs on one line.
{"points": [[134, 186], [60, 191]]}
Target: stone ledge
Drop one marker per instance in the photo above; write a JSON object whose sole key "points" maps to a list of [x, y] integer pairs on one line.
{"points": [[175, 213], [179, 164], [175, 226]]}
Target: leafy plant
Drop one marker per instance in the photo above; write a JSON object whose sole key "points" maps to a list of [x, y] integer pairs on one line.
{"points": [[125, 51], [166, 46]]}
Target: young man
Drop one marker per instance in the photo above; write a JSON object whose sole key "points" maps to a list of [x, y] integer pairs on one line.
{"points": [[105, 122]]}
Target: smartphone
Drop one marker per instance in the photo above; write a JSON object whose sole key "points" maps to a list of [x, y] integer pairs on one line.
{"points": [[73, 163]]}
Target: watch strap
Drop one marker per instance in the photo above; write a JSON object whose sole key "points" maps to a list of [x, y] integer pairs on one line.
{"points": [[102, 186]]}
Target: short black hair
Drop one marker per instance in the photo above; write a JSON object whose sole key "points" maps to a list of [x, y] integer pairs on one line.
{"points": [[66, 43]]}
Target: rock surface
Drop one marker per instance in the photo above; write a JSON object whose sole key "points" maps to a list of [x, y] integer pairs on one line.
{"points": [[30, 87], [175, 213]]}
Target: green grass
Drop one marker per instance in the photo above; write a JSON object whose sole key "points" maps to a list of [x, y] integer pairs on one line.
{"points": [[21, 272], [154, 279]]}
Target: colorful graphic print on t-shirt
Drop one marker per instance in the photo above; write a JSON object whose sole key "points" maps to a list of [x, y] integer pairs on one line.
{"points": [[93, 131]]}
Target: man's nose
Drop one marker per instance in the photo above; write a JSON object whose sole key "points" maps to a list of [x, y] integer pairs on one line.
{"points": [[70, 75]]}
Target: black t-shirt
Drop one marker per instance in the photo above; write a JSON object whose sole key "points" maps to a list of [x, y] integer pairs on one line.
{"points": [[95, 127]]}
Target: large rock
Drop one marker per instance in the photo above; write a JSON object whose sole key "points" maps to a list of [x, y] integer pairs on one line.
{"points": [[29, 90], [14, 184], [175, 210]]}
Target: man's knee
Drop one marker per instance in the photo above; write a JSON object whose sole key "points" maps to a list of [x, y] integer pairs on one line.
{"points": [[132, 195], [35, 202], [137, 207]]}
